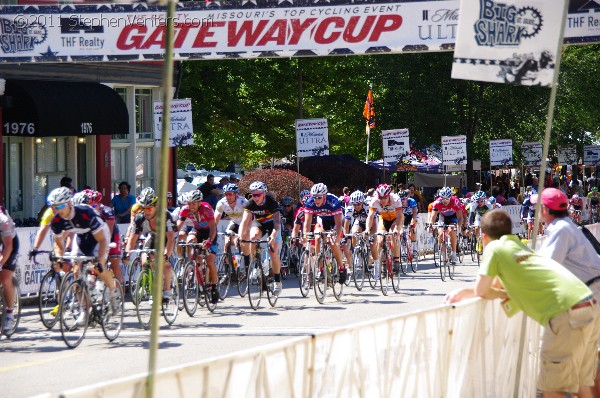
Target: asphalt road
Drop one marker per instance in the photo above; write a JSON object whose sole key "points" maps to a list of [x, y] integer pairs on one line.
{"points": [[35, 361]]}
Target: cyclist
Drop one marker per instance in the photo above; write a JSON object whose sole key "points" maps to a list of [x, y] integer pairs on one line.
{"points": [[203, 228], [262, 217], [477, 209], [389, 207], [287, 212], [410, 208], [8, 263], [576, 203], [594, 198], [355, 218], [450, 212], [231, 206], [92, 235], [108, 215], [492, 201], [327, 209], [299, 217], [144, 224], [528, 212]]}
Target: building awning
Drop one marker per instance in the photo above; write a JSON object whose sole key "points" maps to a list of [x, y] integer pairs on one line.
{"points": [[51, 108]]}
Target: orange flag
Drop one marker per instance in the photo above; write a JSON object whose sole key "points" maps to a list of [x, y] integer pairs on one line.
{"points": [[369, 110]]}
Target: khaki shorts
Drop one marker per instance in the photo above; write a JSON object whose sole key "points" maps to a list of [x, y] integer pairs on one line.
{"points": [[569, 350]]}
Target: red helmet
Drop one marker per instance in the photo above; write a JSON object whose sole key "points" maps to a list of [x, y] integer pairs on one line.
{"points": [[383, 190], [95, 196]]}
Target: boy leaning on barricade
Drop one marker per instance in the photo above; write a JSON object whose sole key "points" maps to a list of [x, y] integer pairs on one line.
{"points": [[548, 293]]}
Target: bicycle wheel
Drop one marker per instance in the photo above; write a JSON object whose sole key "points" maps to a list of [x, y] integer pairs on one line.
{"points": [[320, 279], [396, 281], [142, 298], [472, 244], [384, 271], [178, 270], [404, 258], [358, 269], [270, 296], [113, 310], [49, 298], [371, 271], [285, 260], [134, 272], [336, 286], [224, 274], [443, 256], [305, 275], [74, 314], [242, 281], [190, 288], [436, 253], [460, 253], [170, 307], [255, 279], [451, 265], [479, 249], [414, 255], [295, 260]]}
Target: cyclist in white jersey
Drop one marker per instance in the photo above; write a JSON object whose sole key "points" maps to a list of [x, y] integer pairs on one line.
{"points": [[232, 207]]}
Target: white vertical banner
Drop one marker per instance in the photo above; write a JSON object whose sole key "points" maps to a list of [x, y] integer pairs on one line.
{"points": [[454, 150], [395, 144], [591, 154], [567, 155], [312, 137], [501, 152], [532, 153], [512, 42], [181, 132]]}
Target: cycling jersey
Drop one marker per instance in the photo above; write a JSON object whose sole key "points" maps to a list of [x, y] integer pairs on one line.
{"points": [[236, 212], [527, 209], [300, 217], [388, 212], [7, 229], [355, 216], [84, 220], [47, 217], [594, 197], [262, 213], [330, 208], [476, 211], [576, 202], [141, 225], [447, 210], [201, 218], [410, 205]]}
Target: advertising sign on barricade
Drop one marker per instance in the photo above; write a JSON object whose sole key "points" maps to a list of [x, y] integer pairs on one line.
{"points": [[312, 137], [532, 153], [181, 132], [501, 152], [591, 154], [500, 43], [514, 212], [395, 145], [454, 150], [567, 155]]}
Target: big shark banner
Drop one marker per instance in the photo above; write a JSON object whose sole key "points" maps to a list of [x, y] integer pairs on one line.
{"points": [[508, 41]]}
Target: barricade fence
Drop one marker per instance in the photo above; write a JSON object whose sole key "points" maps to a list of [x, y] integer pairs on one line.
{"points": [[467, 350]]}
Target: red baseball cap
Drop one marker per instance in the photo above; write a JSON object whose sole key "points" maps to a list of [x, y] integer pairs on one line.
{"points": [[552, 198]]}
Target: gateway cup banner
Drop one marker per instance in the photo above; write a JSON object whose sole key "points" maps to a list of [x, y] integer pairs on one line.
{"points": [[508, 42]]}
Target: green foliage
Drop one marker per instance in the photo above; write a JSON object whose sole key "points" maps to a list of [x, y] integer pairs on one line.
{"points": [[280, 182]]}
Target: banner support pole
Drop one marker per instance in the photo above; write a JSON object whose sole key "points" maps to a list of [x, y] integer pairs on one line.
{"points": [[368, 137]]}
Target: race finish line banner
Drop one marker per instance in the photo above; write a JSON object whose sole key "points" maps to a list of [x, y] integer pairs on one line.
{"points": [[515, 42], [312, 137], [247, 29]]}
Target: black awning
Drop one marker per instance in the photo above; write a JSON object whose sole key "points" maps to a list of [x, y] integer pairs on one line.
{"points": [[40, 108]]}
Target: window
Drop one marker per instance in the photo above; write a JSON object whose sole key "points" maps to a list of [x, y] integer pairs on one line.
{"points": [[50, 157], [143, 113], [122, 91], [144, 168], [118, 169]]}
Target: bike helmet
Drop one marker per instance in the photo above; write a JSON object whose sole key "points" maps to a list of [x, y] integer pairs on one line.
{"points": [[230, 188], [383, 190], [492, 200], [95, 196], [403, 193], [147, 197], [575, 196], [59, 196], [445, 193], [182, 199], [287, 200], [479, 195], [357, 197], [194, 196], [81, 198], [318, 189], [169, 195], [595, 189], [304, 195], [258, 186]]}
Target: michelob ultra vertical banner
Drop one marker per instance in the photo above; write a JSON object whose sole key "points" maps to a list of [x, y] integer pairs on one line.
{"points": [[532, 153], [567, 155], [501, 153], [508, 41], [395, 145], [312, 137], [454, 150]]}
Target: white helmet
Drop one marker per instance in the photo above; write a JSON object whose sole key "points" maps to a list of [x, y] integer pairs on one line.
{"points": [[357, 197], [59, 196], [445, 193], [318, 189], [258, 186], [81, 198]]}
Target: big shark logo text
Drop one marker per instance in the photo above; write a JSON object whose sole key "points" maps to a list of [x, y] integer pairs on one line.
{"points": [[505, 25]]}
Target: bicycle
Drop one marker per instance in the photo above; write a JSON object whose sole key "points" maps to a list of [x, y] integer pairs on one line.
{"points": [[325, 271], [260, 276], [196, 280], [86, 301], [408, 254], [360, 257], [135, 267], [594, 213], [476, 245], [229, 269], [446, 266], [386, 261], [16, 308], [306, 260], [53, 282], [142, 293], [285, 253]]}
